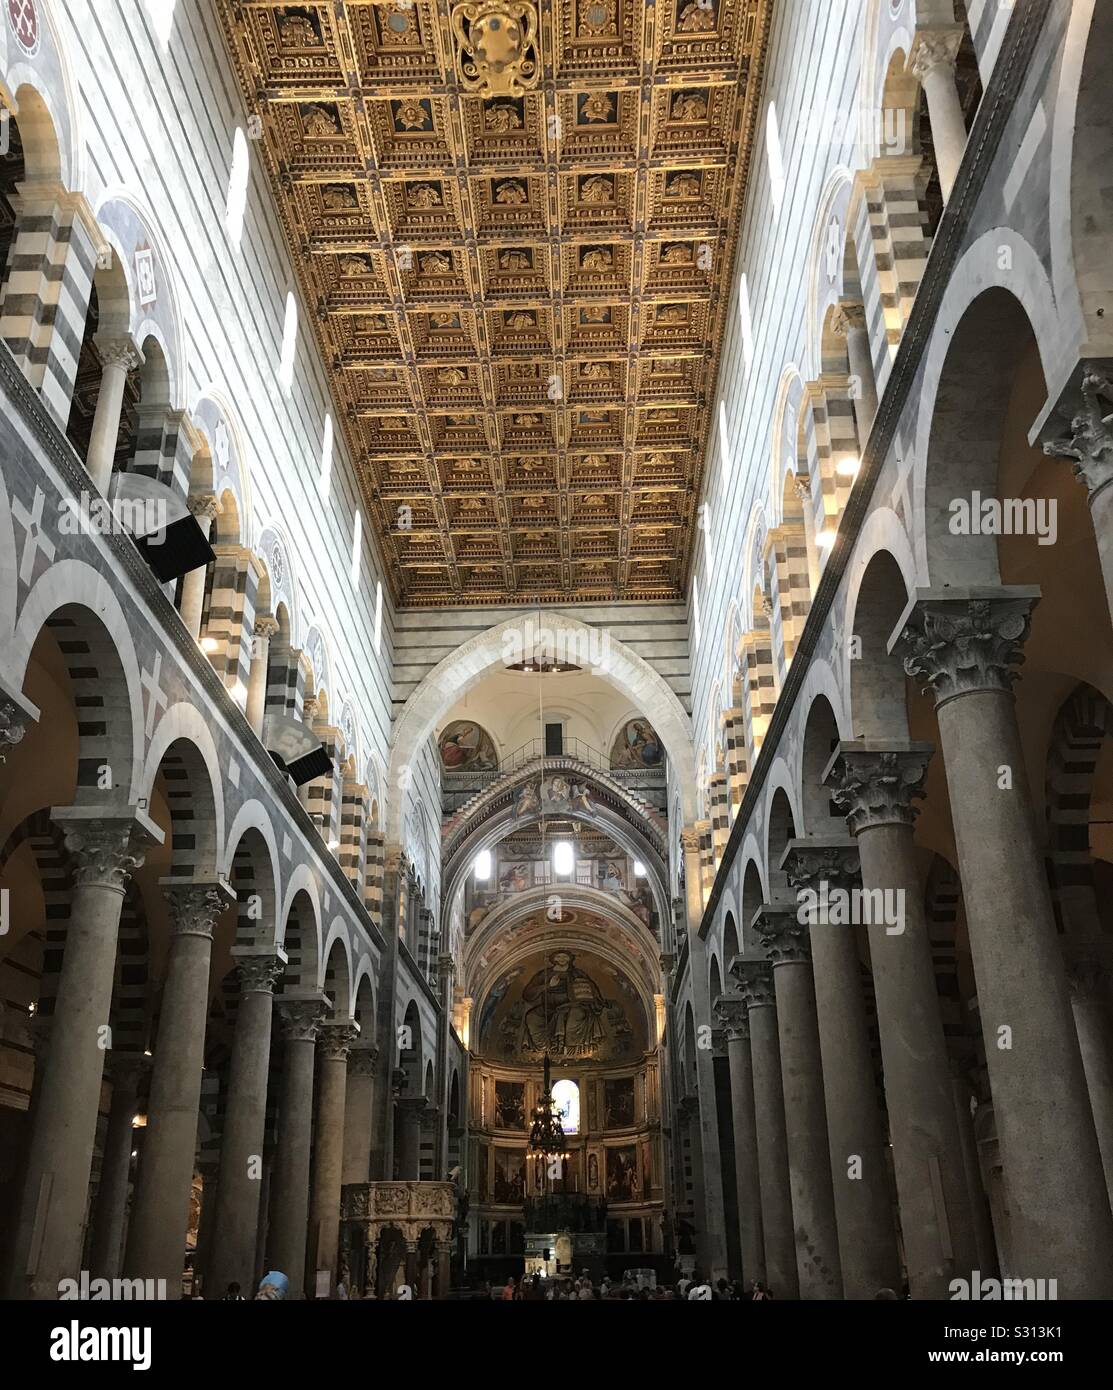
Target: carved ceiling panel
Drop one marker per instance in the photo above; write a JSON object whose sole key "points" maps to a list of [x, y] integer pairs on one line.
{"points": [[516, 220]]}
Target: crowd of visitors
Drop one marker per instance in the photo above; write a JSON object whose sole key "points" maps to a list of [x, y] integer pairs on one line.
{"points": [[694, 1287]]}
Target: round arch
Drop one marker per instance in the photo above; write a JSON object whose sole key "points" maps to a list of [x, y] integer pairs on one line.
{"points": [[985, 300], [66, 594], [624, 669], [1081, 172]]}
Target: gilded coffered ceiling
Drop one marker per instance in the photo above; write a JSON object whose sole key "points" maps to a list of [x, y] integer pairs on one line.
{"points": [[516, 222]]}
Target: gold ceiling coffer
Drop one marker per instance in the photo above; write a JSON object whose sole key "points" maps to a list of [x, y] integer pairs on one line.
{"points": [[496, 46]]}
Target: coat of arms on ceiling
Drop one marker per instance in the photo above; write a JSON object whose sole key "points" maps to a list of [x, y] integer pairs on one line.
{"points": [[496, 46]]}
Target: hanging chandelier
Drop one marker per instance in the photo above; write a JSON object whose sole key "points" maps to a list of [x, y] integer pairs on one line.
{"points": [[546, 1135]]}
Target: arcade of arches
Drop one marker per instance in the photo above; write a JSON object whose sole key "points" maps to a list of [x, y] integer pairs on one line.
{"points": [[514, 575]]}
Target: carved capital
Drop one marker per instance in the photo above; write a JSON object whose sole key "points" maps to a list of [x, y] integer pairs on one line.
{"points": [[1089, 439], [965, 643], [259, 970], [802, 484], [104, 852], [755, 982], [265, 626], [689, 841], [847, 316], [120, 353], [195, 908], [362, 1059], [301, 1018], [334, 1042], [203, 506], [412, 1107], [933, 48], [877, 785], [808, 863], [12, 727], [783, 935], [730, 1010]]}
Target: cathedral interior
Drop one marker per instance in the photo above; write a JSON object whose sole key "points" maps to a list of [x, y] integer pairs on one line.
{"points": [[556, 570]]}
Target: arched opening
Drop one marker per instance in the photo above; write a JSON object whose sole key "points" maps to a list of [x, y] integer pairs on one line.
{"points": [[753, 895], [31, 155], [338, 981], [878, 703], [731, 946], [782, 828], [821, 738], [106, 326]]}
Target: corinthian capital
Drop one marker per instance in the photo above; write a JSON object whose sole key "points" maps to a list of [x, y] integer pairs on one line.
{"points": [[783, 935], [932, 48], [730, 1010], [265, 626], [301, 1015], [755, 982], [689, 841], [362, 1059], [119, 352], [203, 506], [260, 969], [335, 1040], [808, 863], [1089, 441], [876, 784], [965, 641], [847, 316], [105, 851], [195, 908], [12, 727]]}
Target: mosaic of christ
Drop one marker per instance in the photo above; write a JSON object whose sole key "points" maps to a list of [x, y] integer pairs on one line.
{"points": [[561, 1004]]}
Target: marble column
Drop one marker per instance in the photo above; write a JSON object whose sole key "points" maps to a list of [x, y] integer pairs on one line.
{"points": [[443, 1286], [1088, 980], [932, 63], [256, 708], [693, 878], [333, 1045], [966, 1105], [126, 1070], [239, 1186], [160, 1212], [849, 322], [412, 1267], [875, 785], [828, 869], [359, 1112], [755, 980], [410, 1111], [785, 938], [193, 583], [802, 485], [1088, 442], [104, 850], [119, 357], [965, 644], [300, 1015], [731, 1011]]}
